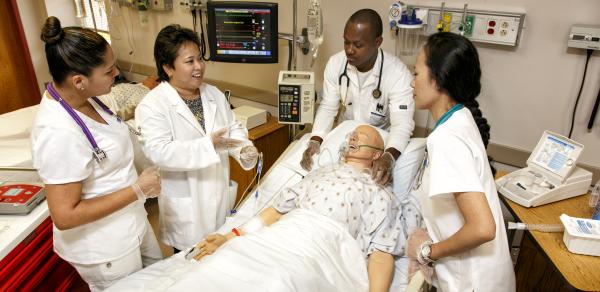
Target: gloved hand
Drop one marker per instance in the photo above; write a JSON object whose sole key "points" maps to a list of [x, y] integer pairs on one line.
{"points": [[147, 184], [413, 248], [312, 149], [248, 156], [209, 245], [414, 267], [220, 142], [383, 168]]}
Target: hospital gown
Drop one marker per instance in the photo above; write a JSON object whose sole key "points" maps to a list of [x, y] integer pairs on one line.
{"points": [[350, 197]]}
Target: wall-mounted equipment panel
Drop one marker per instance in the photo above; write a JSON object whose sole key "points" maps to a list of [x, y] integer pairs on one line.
{"points": [[502, 28]]}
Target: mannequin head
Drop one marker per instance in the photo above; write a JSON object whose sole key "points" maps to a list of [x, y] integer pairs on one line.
{"points": [[364, 145]]}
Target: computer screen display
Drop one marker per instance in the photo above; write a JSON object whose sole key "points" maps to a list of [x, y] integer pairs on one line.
{"points": [[243, 32]]}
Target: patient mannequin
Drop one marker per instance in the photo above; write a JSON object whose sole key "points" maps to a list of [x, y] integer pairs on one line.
{"points": [[345, 193]]}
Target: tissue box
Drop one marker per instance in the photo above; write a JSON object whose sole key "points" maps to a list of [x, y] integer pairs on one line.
{"points": [[250, 117], [582, 236]]}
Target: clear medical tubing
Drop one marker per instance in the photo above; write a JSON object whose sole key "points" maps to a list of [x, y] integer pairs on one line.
{"points": [[536, 227]]}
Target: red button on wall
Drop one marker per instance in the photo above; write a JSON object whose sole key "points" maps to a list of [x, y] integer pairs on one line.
{"points": [[490, 31], [492, 23]]}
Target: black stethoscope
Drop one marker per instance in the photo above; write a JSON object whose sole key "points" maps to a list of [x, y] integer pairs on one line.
{"points": [[376, 92]]}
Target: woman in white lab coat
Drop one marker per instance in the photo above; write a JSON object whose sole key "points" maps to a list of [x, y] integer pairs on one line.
{"points": [[189, 131], [84, 155], [465, 245]]}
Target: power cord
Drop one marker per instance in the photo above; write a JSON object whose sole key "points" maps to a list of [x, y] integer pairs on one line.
{"points": [[587, 60]]}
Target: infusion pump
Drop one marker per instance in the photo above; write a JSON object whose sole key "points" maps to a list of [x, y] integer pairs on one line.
{"points": [[296, 97], [551, 174]]}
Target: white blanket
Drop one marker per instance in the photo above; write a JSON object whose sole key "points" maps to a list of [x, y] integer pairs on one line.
{"points": [[304, 251]]}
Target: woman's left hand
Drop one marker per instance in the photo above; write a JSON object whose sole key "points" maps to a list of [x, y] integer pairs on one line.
{"points": [[413, 244], [209, 245]]}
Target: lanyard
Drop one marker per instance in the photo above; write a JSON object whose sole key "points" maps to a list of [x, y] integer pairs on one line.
{"points": [[99, 154], [448, 114]]}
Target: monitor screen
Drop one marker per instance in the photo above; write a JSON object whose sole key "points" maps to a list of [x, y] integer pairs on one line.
{"points": [[243, 32]]}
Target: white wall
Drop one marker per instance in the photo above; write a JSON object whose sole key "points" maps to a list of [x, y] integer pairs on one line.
{"points": [[525, 90], [33, 14]]}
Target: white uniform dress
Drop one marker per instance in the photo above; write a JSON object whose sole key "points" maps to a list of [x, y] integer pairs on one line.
{"points": [[457, 162], [62, 154], [195, 194], [393, 111]]}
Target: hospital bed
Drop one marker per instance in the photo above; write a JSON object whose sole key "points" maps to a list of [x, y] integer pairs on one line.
{"points": [[15, 152], [285, 172]]}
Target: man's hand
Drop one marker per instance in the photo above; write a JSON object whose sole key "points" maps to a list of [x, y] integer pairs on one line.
{"points": [[209, 245], [383, 168], [312, 149]]}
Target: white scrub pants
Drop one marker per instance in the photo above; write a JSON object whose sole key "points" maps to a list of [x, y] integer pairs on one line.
{"points": [[103, 275]]}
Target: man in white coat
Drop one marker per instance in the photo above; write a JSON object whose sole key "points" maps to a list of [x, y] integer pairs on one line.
{"points": [[189, 131], [365, 83]]}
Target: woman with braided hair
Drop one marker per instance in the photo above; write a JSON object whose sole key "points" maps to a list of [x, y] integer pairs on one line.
{"points": [[465, 246]]}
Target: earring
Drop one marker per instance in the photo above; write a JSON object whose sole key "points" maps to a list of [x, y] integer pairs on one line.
{"points": [[81, 88]]}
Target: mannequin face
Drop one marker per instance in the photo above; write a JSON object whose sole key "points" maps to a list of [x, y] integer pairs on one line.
{"points": [[188, 68], [362, 145]]}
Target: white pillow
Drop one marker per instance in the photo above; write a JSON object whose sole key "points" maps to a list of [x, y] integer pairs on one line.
{"points": [[404, 170]]}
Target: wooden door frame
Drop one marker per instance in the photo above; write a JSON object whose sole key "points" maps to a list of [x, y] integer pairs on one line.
{"points": [[29, 70]]}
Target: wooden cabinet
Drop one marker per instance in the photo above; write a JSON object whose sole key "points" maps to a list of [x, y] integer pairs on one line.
{"points": [[271, 139]]}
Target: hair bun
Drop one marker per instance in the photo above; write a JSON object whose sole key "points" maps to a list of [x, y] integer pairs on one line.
{"points": [[52, 32]]}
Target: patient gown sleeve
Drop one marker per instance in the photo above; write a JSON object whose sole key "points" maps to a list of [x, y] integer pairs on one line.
{"points": [[381, 225], [410, 218], [290, 197]]}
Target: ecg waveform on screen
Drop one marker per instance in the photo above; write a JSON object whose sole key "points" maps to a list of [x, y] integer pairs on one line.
{"points": [[243, 31]]}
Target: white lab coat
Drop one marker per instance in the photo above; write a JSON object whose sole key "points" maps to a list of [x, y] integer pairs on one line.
{"points": [[457, 162], [195, 195], [393, 111]]}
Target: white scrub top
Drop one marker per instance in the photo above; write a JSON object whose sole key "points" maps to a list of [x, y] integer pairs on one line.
{"points": [[393, 111], [457, 162], [195, 194], [62, 154]]}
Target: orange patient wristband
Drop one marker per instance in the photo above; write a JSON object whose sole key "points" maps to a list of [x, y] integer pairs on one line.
{"points": [[235, 231]]}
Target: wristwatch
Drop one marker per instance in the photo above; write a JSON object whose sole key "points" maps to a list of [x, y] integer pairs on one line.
{"points": [[424, 256]]}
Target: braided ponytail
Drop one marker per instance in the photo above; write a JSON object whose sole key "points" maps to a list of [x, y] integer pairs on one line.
{"points": [[453, 63]]}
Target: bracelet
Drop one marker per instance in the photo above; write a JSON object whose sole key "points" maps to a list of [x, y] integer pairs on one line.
{"points": [[236, 232]]}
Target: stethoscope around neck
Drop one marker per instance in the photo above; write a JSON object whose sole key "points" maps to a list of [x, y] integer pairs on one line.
{"points": [[98, 153], [376, 92]]}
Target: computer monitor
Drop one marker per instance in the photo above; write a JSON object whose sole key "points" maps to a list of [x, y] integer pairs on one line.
{"points": [[243, 32]]}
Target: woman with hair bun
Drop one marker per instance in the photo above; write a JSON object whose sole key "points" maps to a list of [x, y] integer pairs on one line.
{"points": [[465, 246], [84, 155]]}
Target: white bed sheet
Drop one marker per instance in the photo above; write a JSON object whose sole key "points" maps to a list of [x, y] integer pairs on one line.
{"points": [[285, 172]]}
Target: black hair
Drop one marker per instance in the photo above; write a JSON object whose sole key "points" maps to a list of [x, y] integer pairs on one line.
{"points": [[453, 63], [370, 17], [72, 49], [167, 44]]}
